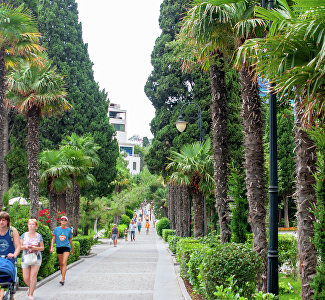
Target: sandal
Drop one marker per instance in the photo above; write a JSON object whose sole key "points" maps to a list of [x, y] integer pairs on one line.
{"points": [[62, 282]]}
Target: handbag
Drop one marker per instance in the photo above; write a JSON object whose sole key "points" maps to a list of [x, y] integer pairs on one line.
{"points": [[30, 259]]}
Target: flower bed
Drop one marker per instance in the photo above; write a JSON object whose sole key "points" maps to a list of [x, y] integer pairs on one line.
{"points": [[287, 228]]}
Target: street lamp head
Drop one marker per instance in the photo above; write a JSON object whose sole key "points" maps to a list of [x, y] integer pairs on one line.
{"points": [[181, 124]]}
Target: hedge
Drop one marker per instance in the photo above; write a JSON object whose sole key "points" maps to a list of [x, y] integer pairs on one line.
{"points": [[288, 251], [85, 242], [221, 262], [163, 223], [172, 242], [166, 233]]}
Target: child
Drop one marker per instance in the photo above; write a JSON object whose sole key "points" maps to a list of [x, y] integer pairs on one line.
{"points": [[126, 231], [147, 227]]}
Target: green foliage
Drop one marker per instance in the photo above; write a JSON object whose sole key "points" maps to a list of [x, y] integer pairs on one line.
{"points": [[76, 253], [163, 223], [129, 213], [64, 44], [85, 243], [121, 229], [288, 252], [230, 259], [172, 242], [125, 220], [166, 233]]}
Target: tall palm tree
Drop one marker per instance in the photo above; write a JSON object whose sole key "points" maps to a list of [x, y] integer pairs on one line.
{"points": [[193, 166], [36, 91], [294, 61], [55, 173], [210, 48], [18, 38], [81, 152]]}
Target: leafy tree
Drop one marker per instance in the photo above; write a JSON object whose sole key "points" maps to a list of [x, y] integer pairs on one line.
{"points": [[19, 37], [35, 91], [58, 21], [193, 167]]}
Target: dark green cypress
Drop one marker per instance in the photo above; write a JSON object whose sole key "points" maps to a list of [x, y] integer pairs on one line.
{"points": [[62, 37]]}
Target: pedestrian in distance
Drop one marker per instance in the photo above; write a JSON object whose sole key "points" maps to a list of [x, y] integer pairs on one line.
{"points": [[147, 226], [114, 234], [62, 236], [32, 244], [132, 228], [9, 241], [139, 225], [126, 231], [154, 221]]}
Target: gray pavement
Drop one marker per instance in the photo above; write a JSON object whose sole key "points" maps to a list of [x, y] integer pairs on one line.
{"points": [[133, 270]]}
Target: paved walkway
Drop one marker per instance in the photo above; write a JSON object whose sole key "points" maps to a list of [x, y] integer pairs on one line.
{"points": [[133, 270]]}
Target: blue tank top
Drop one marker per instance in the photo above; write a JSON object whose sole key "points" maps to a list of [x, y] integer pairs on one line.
{"points": [[6, 244]]}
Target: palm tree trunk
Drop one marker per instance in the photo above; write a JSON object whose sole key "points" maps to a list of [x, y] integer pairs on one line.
{"points": [[254, 164], [33, 120], [306, 201], [171, 205], [178, 211], [69, 207], [219, 132], [186, 211], [198, 207], [53, 210], [3, 120], [76, 199]]}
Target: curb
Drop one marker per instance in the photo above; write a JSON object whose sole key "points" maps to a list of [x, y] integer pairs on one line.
{"points": [[52, 276], [88, 256]]}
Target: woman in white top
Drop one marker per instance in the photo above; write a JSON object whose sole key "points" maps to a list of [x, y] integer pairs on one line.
{"points": [[31, 242]]}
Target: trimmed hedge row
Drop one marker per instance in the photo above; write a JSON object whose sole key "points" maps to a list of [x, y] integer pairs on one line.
{"points": [[85, 242], [166, 233], [172, 242], [163, 223]]}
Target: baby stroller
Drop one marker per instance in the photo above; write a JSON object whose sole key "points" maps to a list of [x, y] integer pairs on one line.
{"points": [[8, 277]]}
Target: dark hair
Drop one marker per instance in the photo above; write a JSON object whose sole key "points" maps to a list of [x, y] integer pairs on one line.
{"points": [[4, 215]]}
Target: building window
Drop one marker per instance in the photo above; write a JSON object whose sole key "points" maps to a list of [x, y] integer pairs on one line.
{"points": [[134, 166], [119, 127], [128, 150]]}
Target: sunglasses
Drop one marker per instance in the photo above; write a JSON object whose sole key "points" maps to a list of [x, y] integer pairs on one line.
{"points": [[64, 220]]}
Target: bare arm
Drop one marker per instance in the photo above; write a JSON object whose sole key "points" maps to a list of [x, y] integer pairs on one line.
{"points": [[52, 244], [16, 241], [71, 244]]}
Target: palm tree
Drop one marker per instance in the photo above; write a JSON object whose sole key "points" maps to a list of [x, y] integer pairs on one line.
{"points": [[36, 91], [18, 38], [80, 152], [210, 48], [55, 173], [193, 167], [294, 61]]}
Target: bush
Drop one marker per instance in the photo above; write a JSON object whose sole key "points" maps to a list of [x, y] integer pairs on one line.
{"points": [[76, 253], [172, 242], [163, 223], [288, 252], [129, 213], [184, 249], [121, 229], [225, 260], [85, 242], [125, 220], [166, 233]]}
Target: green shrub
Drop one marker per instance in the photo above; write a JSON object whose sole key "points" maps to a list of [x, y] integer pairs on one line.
{"points": [[85, 242], [184, 249], [224, 260], [163, 223], [288, 252], [76, 253], [193, 265], [172, 242], [166, 233], [125, 220], [121, 229], [129, 212]]}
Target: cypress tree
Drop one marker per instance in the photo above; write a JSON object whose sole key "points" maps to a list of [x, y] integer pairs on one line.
{"points": [[62, 37]]}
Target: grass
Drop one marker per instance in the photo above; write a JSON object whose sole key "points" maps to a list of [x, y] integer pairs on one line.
{"points": [[296, 286]]}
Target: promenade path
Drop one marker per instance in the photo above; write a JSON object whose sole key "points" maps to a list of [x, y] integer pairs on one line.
{"points": [[133, 270]]}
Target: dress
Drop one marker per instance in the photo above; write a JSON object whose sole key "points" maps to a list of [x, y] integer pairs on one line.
{"points": [[27, 241]]}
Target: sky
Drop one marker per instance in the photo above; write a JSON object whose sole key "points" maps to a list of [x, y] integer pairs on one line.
{"points": [[121, 36]]}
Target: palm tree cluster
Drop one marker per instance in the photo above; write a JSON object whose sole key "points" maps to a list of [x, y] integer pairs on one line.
{"points": [[65, 171], [29, 84], [290, 56]]}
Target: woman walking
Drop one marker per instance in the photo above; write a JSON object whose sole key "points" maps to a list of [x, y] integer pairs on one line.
{"points": [[32, 244], [139, 225], [62, 236]]}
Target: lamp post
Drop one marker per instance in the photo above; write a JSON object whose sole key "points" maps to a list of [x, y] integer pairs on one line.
{"points": [[272, 268], [181, 126]]}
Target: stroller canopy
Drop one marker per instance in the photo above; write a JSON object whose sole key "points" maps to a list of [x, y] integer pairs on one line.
{"points": [[7, 270]]}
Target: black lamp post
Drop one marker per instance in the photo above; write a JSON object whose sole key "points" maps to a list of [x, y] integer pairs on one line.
{"points": [[272, 268], [181, 126]]}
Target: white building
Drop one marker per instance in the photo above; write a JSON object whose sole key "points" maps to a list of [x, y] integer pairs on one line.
{"points": [[117, 117]]}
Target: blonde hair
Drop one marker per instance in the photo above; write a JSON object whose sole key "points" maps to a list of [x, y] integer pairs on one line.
{"points": [[33, 220]]}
